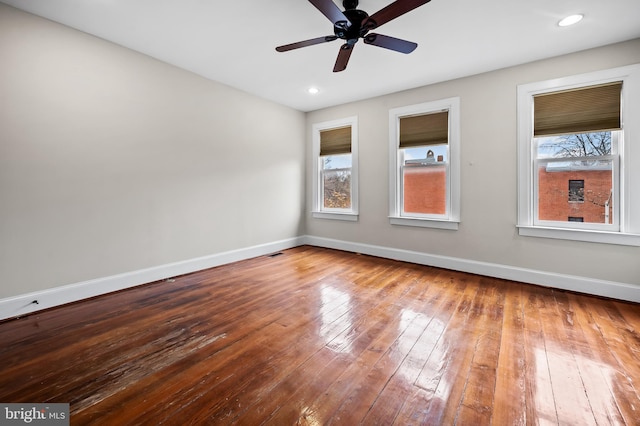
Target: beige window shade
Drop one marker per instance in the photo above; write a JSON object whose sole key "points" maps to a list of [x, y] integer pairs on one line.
{"points": [[590, 109], [421, 130], [335, 141]]}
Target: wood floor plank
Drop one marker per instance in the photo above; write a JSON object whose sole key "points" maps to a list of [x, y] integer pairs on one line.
{"points": [[474, 405], [572, 405], [596, 388], [540, 402], [624, 397], [478, 398], [319, 336], [509, 407]]}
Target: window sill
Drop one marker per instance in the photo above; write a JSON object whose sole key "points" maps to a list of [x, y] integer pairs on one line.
{"points": [[350, 217], [604, 237], [424, 223]]}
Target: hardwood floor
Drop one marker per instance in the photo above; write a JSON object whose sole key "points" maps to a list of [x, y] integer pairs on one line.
{"points": [[315, 336]]}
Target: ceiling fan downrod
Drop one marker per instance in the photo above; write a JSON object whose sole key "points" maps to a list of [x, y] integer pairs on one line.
{"points": [[349, 4]]}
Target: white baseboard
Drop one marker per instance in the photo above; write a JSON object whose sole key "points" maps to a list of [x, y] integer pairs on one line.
{"points": [[612, 289], [24, 303]]}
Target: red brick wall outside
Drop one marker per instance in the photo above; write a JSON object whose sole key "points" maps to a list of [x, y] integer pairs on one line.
{"points": [[425, 189], [553, 195]]}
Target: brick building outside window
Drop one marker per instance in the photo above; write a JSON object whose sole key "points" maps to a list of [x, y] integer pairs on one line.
{"points": [[570, 191]]}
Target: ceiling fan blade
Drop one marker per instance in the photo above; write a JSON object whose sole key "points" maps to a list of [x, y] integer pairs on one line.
{"points": [[305, 43], [331, 11], [392, 43], [392, 11], [343, 57]]}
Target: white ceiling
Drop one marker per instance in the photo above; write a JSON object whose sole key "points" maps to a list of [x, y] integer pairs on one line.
{"points": [[234, 41]]}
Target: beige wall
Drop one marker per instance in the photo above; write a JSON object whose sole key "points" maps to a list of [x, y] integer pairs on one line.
{"points": [[111, 161], [488, 178]]}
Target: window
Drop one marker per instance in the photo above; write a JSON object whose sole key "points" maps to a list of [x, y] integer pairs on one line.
{"points": [[335, 168], [424, 165], [576, 191], [574, 153]]}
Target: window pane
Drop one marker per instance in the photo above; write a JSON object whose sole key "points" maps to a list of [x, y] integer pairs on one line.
{"points": [[425, 189], [424, 180], [576, 189], [574, 145], [337, 189], [336, 162], [422, 152]]}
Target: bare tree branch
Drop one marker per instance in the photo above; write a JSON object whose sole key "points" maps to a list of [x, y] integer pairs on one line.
{"points": [[584, 144]]}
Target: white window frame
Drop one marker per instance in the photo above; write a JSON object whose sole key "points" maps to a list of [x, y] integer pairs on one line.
{"points": [[451, 219], [626, 227], [318, 210]]}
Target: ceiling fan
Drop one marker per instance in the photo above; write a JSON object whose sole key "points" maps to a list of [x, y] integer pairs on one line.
{"points": [[353, 24]]}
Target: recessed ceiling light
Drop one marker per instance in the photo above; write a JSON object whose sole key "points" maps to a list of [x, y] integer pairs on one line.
{"points": [[570, 20], [313, 90]]}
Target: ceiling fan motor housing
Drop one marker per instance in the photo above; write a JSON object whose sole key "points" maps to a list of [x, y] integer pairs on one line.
{"points": [[356, 30]]}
